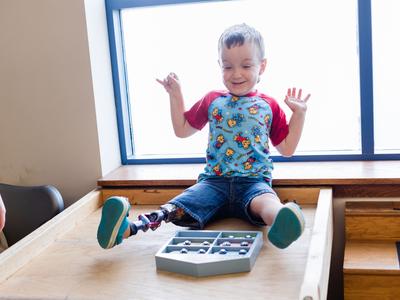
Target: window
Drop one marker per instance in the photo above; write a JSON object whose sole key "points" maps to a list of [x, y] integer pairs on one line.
{"points": [[386, 49], [319, 46]]}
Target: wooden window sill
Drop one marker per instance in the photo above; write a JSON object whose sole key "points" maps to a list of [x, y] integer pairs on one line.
{"points": [[337, 173]]}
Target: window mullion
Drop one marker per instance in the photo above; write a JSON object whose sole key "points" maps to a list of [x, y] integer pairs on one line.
{"points": [[366, 78]]}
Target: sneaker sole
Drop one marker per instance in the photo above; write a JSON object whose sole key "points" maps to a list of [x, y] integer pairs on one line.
{"points": [[288, 226], [113, 213]]}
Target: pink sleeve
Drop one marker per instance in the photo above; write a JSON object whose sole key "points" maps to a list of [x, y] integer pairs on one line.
{"points": [[279, 127], [197, 115]]}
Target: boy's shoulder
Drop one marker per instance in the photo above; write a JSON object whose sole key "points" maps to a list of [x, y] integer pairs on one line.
{"points": [[216, 94], [270, 100], [267, 98], [208, 98]]}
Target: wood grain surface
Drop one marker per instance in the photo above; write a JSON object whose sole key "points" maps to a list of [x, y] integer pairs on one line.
{"points": [[75, 267], [341, 173]]}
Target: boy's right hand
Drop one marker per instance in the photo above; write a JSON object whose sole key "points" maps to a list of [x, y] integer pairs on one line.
{"points": [[171, 84]]}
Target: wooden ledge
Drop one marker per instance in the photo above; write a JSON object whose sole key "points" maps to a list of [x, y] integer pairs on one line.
{"points": [[371, 257], [375, 220], [344, 174], [371, 260], [157, 196]]}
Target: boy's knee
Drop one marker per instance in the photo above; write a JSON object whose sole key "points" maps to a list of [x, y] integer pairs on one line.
{"points": [[172, 212], [178, 216]]}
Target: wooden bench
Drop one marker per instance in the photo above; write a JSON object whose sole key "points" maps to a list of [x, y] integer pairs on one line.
{"points": [[62, 259]]}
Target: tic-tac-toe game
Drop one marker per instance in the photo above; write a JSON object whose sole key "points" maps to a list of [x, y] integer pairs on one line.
{"points": [[206, 252]]}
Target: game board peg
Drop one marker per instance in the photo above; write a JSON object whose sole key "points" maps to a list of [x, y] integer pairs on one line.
{"points": [[223, 251]]}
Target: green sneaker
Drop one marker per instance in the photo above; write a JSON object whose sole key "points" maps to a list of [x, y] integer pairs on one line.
{"points": [[113, 222], [288, 226]]}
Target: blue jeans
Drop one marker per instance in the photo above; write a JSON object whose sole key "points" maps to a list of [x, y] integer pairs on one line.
{"points": [[220, 197]]}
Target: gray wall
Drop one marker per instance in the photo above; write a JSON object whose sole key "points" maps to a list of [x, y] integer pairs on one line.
{"points": [[57, 113]]}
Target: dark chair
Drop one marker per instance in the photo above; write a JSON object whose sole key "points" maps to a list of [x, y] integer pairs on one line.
{"points": [[28, 207]]}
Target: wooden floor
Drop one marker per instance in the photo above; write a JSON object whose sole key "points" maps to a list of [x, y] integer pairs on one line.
{"points": [[75, 267]]}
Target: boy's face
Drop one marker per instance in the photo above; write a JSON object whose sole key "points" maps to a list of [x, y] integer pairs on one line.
{"points": [[241, 68]]}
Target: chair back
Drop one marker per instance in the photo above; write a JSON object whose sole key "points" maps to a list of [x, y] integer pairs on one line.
{"points": [[28, 207]]}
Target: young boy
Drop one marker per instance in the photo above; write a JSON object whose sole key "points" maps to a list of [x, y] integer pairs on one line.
{"points": [[237, 178]]}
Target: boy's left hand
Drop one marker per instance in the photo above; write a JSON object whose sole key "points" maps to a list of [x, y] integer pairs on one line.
{"points": [[295, 103]]}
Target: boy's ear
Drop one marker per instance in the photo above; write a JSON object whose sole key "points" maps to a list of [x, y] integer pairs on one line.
{"points": [[263, 65]]}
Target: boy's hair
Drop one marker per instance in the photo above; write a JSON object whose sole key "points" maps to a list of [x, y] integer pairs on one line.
{"points": [[237, 35]]}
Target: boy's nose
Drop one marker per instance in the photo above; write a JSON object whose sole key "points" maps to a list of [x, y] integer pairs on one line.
{"points": [[236, 73]]}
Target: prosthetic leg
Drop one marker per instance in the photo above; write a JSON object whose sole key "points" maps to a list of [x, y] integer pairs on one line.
{"points": [[167, 213]]}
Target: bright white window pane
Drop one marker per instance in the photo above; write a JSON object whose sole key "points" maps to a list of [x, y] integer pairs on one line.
{"points": [[386, 49], [310, 44]]}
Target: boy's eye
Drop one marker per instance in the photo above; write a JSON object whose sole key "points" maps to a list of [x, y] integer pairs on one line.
{"points": [[227, 67], [247, 66]]}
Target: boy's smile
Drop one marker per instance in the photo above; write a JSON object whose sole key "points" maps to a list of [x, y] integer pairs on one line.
{"points": [[241, 68]]}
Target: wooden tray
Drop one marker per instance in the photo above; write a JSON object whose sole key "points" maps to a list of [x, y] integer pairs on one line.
{"points": [[62, 259]]}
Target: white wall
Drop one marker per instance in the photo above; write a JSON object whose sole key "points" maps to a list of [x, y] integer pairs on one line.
{"points": [[102, 85], [57, 119]]}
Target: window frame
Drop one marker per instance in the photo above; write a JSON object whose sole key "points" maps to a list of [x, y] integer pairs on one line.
{"points": [[123, 109]]}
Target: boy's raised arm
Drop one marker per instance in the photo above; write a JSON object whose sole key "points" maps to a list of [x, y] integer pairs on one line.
{"points": [[182, 128], [298, 107]]}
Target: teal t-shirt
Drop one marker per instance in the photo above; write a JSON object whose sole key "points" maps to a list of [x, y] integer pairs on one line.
{"points": [[239, 132]]}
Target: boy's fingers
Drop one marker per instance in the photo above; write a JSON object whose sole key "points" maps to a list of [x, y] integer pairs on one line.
{"points": [[291, 93], [160, 81], [172, 79]]}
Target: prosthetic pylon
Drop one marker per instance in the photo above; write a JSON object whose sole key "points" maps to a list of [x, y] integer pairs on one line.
{"points": [[153, 220]]}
